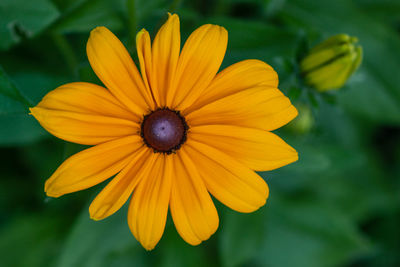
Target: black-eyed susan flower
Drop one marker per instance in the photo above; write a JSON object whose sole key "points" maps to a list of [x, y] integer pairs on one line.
{"points": [[330, 64], [172, 134]]}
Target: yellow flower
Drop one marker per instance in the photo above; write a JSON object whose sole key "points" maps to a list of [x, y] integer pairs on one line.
{"points": [[171, 135], [331, 63]]}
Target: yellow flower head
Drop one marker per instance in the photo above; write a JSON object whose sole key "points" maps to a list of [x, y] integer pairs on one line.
{"points": [[172, 134]]}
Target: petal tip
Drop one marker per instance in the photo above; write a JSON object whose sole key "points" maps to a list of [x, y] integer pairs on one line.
{"points": [[140, 34], [31, 111], [98, 29], [295, 156], [52, 193], [99, 213], [50, 190], [37, 112], [173, 16], [173, 19], [94, 217], [216, 27], [142, 31], [97, 32], [148, 247], [295, 112], [222, 28]]}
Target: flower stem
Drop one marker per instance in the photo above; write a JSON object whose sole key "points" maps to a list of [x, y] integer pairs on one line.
{"points": [[174, 5], [66, 51], [132, 21]]}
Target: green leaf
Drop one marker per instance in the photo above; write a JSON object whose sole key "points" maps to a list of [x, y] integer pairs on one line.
{"points": [[102, 243], [17, 127], [262, 41], [11, 99], [385, 10], [35, 237], [66, 6], [335, 164], [365, 88], [87, 15], [146, 9], [20, 19], [241, 236], [173, 251], [35, 84], [302, 232], [313, 233], [9, 105], [20, 129]]}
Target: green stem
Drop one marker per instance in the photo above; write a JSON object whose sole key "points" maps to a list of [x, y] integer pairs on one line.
{"points": [[174, 5], [220, 8], [132, 21], [66, 51]]}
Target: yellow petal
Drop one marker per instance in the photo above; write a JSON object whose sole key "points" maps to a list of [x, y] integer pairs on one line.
{"points": [[165, 54], [148, 208], [259, 150], [192, 209], [115, 68], [82, 128], [198, 64], [143, 48], [84, 113], [86, 98], [260, 107], [92, 166], [227, 179], [235, 78], [118, 190]]}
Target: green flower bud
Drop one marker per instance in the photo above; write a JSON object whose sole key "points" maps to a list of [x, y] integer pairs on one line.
{"points": [[329, 64]]}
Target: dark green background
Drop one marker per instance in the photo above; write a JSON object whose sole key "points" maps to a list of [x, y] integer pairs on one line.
{"points": [[337, 206]]}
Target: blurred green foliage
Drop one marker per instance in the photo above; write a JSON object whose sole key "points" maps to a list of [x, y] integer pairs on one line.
{"points": [[337, 206]]}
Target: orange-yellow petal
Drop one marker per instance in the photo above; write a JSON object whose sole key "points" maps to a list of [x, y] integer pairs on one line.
{"points": [[86, 98], [118, 190], [259, 150], [82, 128], [92, 166], [192, 209], [115, 68], [236, 78], [143, 48], [261, 107], [165, 54], [84, 113], [198, 64], [148, 207], [228, 180]]}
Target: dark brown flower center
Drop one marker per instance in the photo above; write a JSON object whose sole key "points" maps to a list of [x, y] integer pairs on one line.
{"points": [[164, 130]]}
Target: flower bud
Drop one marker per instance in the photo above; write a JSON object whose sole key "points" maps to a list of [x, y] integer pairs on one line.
{"points": [[329, 64]]}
